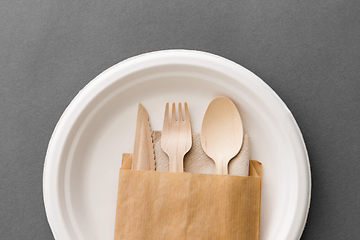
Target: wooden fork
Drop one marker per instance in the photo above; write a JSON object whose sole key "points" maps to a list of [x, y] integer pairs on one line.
{"points": [[176, 136]]}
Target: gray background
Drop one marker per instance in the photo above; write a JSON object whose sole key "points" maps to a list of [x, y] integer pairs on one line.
{"points": [[307, 51]]}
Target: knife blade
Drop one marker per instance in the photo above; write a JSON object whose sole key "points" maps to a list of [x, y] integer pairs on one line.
{"points": [[143, 155]]}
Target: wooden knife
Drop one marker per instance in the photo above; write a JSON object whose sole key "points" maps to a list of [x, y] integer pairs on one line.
{"points": [[143, 155]]}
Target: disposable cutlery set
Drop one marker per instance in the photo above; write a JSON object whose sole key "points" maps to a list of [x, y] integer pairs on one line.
{"points": [[221, 136], [157, 200]]}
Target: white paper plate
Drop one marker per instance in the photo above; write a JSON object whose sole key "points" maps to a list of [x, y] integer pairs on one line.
{"points": [[84, 153]]}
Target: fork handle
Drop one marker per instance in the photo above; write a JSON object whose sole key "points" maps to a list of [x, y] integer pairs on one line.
{"points": [[176, 163]]}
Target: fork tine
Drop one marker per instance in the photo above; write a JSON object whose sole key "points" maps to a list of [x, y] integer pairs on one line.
{"points": [[166, 116], [173, 113], [187, 116], [180, 118]]}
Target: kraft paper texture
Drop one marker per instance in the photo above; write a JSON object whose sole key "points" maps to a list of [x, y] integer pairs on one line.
{"points": [[167, 205]]}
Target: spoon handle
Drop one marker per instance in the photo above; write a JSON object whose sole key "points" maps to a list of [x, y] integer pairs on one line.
{"points": [[222, 167]]}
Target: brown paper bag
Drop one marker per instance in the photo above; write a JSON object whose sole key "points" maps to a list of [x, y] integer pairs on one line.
{"points": [[167, 205]]}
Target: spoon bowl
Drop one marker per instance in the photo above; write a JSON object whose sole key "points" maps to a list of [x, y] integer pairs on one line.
{"points": [[221, 132]]}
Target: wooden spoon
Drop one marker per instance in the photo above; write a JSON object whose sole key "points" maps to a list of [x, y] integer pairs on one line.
{"points": [[221, 132]]}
